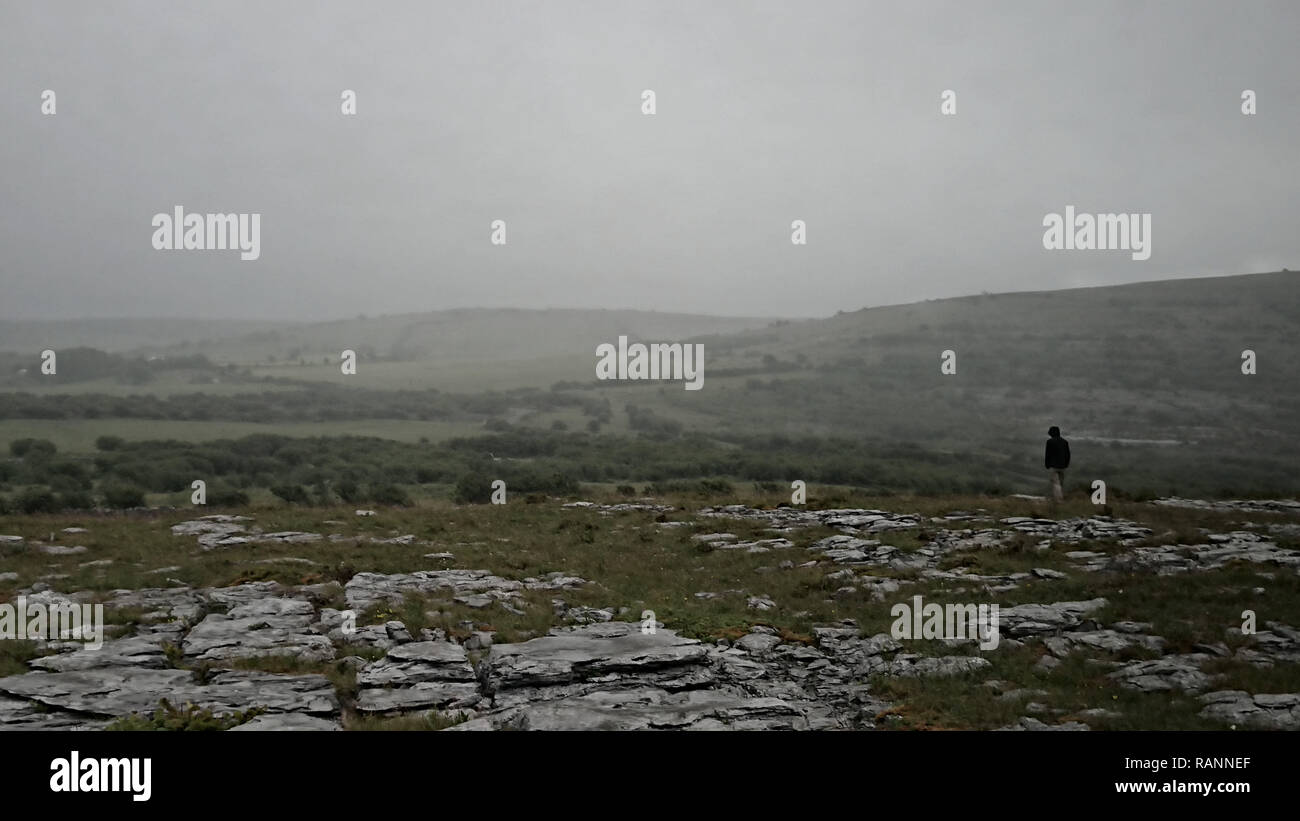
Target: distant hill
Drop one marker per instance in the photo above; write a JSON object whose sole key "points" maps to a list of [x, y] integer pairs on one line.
{"points": [[471, 335], [1145, 380], [118, 335], [1129, 369]]}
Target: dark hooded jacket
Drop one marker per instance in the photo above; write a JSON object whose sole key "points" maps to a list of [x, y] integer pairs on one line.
{"points": [[1057, 455]]}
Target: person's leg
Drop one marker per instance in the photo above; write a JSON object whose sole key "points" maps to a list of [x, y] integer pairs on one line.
{"points": [[1057, 493]]}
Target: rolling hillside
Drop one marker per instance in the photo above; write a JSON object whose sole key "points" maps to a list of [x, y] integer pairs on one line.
{"points": [[1146, 380]]}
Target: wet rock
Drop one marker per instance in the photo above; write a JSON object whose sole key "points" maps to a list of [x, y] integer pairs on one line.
{"points": [[121, 691], [569, 661], [278, 722], [1164, 674], [1252, 506], [61, 550], [365, 590], [262, 627], [758, 643], [21, 714], [1037, 619], [419, 676], [937, 666], [647, 708], [1260, 711], [397, 631], [1034, 725], [133, 651]]}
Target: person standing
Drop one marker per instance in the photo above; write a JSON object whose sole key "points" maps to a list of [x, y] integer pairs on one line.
{"points": [[1056, 459]]}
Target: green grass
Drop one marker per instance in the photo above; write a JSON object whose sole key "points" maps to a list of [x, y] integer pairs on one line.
{"points": [[634, 565]]}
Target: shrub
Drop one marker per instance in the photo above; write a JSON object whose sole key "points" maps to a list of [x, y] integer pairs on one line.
{"points": [[227, 497], [32, 448], [76, 500], [123, 496], [188, 718], [109, 443], [293, 494], [349, 492], [389, 494], [37, 500], [473, 489]]}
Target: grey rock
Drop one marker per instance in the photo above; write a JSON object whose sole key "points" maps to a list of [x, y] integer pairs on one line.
{"points": [[121, 691], [1034, 725], [1261, 711], [279, 722], [647, 708], [758, 643], [397, 631], [938, 666], [567, 661], [260, 627], [1164, 674], [133, 651]]}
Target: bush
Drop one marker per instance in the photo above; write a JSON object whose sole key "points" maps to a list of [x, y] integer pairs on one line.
{"points": [[474, 489], [715, 486], [389, 494], [123, 496], [76, 500], [349, 492], [189, 718], [37, 500], [227, 497], [109, 443], [293, 494], [32, 448]]}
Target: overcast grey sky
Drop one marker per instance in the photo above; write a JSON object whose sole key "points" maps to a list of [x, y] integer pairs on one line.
{"points": [[767, 112]]}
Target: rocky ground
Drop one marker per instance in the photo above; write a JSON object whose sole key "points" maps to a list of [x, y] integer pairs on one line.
{"points": [[425, 646]]}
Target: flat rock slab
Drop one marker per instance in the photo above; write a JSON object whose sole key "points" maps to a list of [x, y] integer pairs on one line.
{"points": [[1253, 506], [1036, 619], [647, 709], [422, 675], [1164, 674], [364, 590], [21, 714], [134, 651], [61, 550], [419, 661], [425, 695], [271, 722], [567, 655], [1265, 711], [263, 627], [937, 666], [119, 692]]}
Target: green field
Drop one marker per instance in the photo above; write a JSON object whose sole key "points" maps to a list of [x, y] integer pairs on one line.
{"points": [[79, 435]]}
